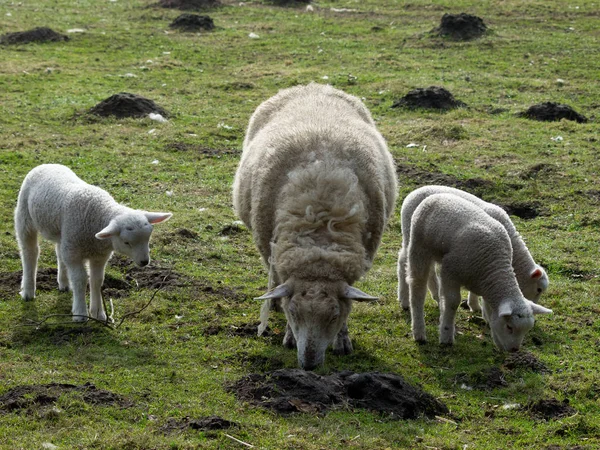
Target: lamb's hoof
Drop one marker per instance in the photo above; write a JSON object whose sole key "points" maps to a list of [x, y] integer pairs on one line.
{"points": [[342, 345], [446, 344], [289, 341], [27, 296], [80, 318], [101, 316]]}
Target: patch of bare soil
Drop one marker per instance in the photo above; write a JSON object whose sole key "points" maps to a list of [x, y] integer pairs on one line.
{"points": [[260, 363], [550, 112], [10, 282], [154, 278], [433, 97], [523, 210], [488, 379], [289, 2], [192, 22], [210, 423], [186, 234], [525, 360], [187, 5], [38, 396], [541, 169], [287, 391], [40, 34], [549, 409], [125, 104], [230, 229], [461, 27], [198, 149]]}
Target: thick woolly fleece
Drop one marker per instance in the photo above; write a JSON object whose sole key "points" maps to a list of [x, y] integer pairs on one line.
{"points": [[316, 185]]}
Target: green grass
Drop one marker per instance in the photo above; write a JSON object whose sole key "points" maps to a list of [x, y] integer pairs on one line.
{"points": [[168, 366]]}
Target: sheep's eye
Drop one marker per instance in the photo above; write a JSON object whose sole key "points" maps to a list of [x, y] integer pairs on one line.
{"points": [[129, 228]]}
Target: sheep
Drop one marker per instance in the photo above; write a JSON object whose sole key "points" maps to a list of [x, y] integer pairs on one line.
{"points": [[86, 224], [531, 277], [316, 184], [473, 250]]}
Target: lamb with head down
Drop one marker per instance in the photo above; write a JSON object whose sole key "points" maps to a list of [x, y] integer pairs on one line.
{"points": [[316, 184], [473, 250]]}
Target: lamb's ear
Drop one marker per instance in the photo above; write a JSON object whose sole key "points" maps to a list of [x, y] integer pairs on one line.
{"points": [[157, 217], [538, 309], [356, 294], [505, 309], [112, 229], [537, 273], [283, 290]]}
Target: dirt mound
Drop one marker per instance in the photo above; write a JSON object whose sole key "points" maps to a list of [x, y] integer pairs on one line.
{"points": [[203, 424], [461, 27], [187, 5], [289, 2], [287, 391], [550, 112], [154, 278], [523, 210], [525, 360], [433, 97], [186, 234], [37, 396], [230, 229], [550, 409], [125, 104], [10, 282], [192, 22], [41, 34]]}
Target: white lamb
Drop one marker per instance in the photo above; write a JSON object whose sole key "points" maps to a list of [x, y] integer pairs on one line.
{"points": [[86, 224], [531, 277], [316, 185], [473, 250]]}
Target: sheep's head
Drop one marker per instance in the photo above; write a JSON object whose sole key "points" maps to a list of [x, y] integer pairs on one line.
{"points": [[535, 284], [130, 234], [511, 321], [316, 312]]}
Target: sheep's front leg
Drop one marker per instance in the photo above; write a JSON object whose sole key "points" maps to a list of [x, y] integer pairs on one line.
{"points": [[473, 302], [342, 345], [449, 303], [78, 278], [403, 290], [289, 341], [96, 280], [418, 271], [63, 276], [30, 251], [433, 285]]}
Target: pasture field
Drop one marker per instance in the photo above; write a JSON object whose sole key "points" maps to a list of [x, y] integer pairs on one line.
{"points": [[176, 358]]}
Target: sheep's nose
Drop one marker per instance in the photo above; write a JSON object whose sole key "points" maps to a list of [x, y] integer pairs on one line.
{"points": [[144, 263], [514, 349]]}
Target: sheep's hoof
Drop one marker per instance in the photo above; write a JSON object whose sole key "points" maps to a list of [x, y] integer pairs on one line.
{"points": [[101, 316], [79, 318]]}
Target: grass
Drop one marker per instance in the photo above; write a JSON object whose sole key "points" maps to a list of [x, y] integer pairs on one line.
{"points": [[162, 359]]}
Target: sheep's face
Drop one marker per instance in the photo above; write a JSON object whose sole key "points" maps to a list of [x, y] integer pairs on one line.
{"points": [[535, 285], [315, 313], [130, 234], [511, 321]]}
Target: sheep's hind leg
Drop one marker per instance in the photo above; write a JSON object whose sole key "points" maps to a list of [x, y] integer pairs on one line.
{"points": [[78, 278], [96, 278], [403, 289], [342, 345], [434, 285], [449, 303], [30, 251], [418, 271], [473, 302], [63, 275]]}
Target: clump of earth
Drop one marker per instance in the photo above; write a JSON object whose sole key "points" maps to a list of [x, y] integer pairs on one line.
{"points": [[287, 391], [192, 22], [525, 360], [551, 112], [433, 97], [210, 423], [125, 104], [552, 408], [186, 5], [461, 27], [40, 34]]}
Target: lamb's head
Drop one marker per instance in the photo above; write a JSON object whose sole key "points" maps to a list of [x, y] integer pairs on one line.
{"points": [[535, 285], [316, 312], [130, 234], [510, 322]]}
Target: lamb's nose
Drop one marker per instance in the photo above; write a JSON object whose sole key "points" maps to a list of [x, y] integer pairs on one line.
{"points": [[144, 263]]}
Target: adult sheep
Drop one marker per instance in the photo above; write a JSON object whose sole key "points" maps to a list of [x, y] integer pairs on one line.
{"points": [[316, 185], [86, 224]]}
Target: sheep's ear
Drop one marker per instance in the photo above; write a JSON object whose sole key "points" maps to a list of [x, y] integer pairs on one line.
{"points": [[283, 290], [111, 230], [505, 309], [353, 293], [157, 217], [537, 273], [539, 309]]}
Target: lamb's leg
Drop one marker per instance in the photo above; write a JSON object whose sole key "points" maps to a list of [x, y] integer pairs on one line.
{"points": [[449, 303], [403, 290], [63, 276], [433, 285], [473, 302], [418, 271], [342, 345], [78, 278], [289, 341], [96, 280], [30, 251]]}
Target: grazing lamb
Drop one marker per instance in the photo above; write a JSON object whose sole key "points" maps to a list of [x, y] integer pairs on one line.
{"points": [[316, 185], [86, 224], [531, 277], [473, 250]]}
